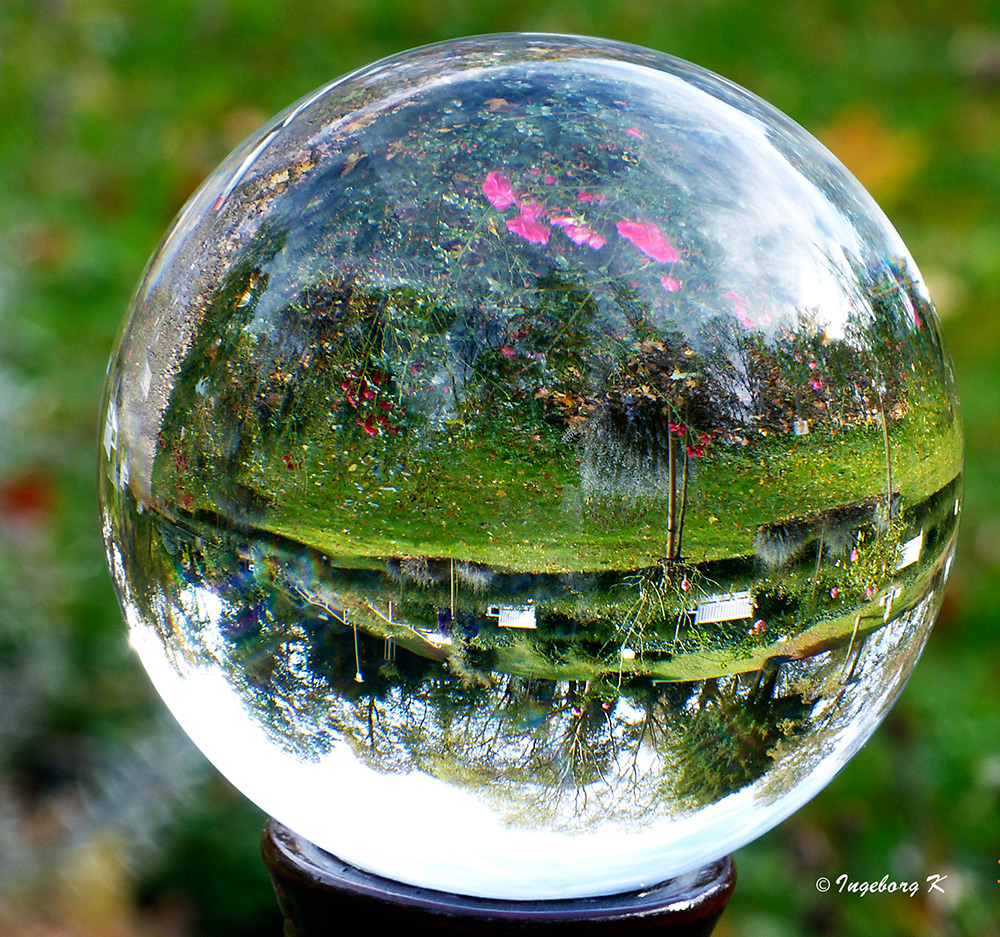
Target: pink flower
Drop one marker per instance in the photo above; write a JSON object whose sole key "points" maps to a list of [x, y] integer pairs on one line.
{"points": [[869, 592], [498, 190], [508, 352], [583, 196], [670, 284], [550, 180], [529, 229], [649, 240], [580, 234], [854, 556], [815, 384], [535, 172], [562, 221], [634, 132]]}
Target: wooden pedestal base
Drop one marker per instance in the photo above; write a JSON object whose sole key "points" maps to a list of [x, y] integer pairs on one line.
{"points": [[321, 896]]}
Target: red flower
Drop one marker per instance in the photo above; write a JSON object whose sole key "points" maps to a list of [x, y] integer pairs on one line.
{"points": [[525, 226], [696, 452], [498, 190], [580, 233], [679, 428], [367, 426], [649, 240], [508, 352]]}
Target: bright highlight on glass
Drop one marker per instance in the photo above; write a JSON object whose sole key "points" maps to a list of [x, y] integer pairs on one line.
{"points": [[531, 467]]}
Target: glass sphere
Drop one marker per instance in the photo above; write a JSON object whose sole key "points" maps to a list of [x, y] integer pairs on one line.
{"points": [[531, 467]]}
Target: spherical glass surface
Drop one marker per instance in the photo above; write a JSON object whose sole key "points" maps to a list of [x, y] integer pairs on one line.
{"points": [[531, 467]]}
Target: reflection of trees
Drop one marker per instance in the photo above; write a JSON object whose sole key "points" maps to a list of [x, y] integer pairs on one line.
{"points": [[554, 748], [729, 743], [286, 632], [661, 408], [856, 685], [544, 751]]}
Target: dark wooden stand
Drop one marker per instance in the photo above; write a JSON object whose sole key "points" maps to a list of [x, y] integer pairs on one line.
{"points": [[321, 896]]}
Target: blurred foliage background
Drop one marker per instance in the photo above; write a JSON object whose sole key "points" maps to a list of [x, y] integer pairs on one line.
{"points": [[112, 111]]}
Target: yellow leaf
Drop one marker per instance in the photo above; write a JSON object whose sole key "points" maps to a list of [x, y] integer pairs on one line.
{"points": [[883, 158]]}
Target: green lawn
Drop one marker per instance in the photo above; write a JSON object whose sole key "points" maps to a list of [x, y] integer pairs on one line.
{"points": [[517, 503]]}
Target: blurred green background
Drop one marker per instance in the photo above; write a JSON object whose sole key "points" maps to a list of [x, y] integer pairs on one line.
{"points": [[112, 111]]}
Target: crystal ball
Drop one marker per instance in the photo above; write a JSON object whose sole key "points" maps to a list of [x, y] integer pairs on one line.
{"points": [[530, 467]]}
